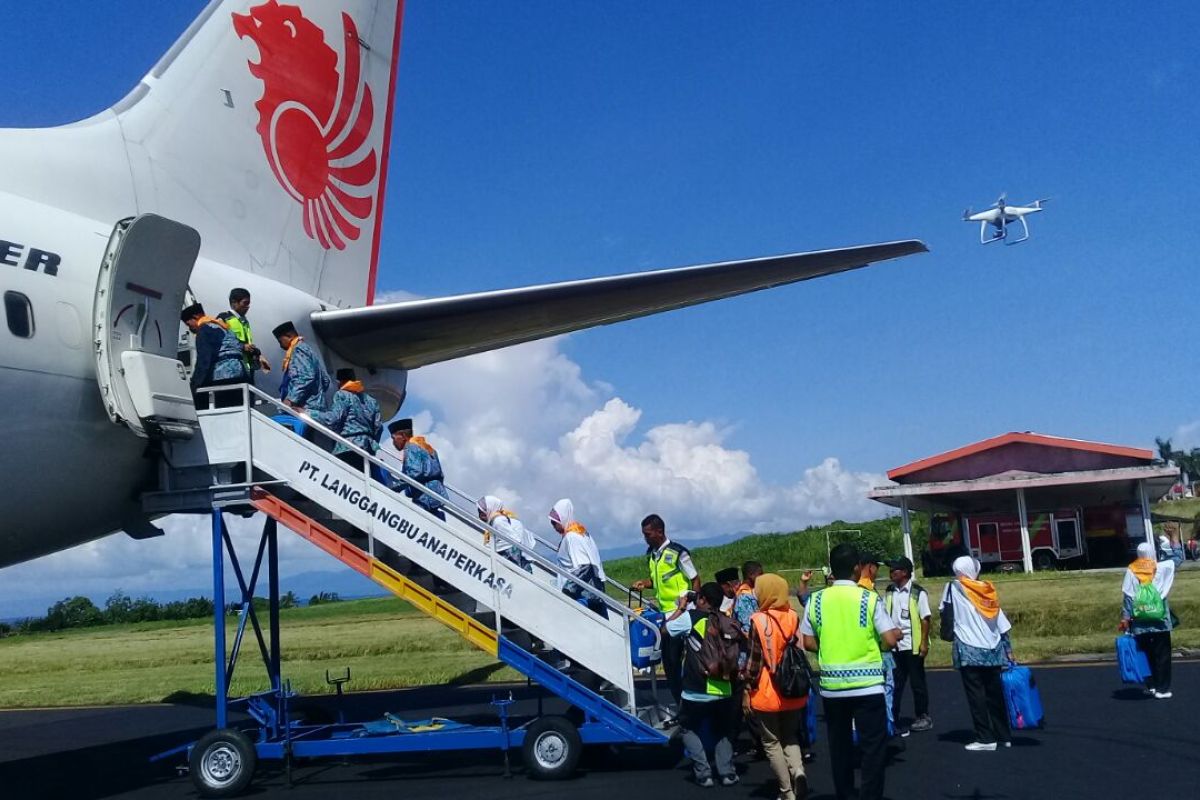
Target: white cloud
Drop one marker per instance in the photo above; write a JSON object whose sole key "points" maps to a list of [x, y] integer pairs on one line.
{"points": [[522, 423], [1186, 436]]}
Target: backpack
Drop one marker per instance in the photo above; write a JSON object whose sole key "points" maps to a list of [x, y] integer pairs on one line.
{"points": [[1148, 604], [792, 677], [717, 657]]}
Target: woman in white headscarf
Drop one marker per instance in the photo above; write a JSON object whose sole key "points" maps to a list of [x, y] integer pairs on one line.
{"points": [[578, 556], [492, 511], [1146, 614], [981, 650]]}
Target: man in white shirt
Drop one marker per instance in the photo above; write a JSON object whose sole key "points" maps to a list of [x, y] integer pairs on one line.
{"points": [[907, 603]]}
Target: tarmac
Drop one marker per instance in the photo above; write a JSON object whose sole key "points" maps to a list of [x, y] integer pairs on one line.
{"points": [[1101, 740]]}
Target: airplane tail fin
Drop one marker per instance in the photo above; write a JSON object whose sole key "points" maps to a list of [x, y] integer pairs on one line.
{"points": [[266, 128]]}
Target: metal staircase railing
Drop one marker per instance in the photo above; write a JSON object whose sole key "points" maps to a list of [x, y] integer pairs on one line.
{"points": [[247, 434]]}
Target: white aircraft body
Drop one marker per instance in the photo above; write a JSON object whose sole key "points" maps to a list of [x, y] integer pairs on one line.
{"points": [[265, 130], [999, 217]]}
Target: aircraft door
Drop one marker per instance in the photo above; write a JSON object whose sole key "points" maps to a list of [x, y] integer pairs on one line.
{"points": [[139, 294]]}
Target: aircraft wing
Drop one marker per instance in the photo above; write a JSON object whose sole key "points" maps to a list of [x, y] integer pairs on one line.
{"points": [[415, 333]]}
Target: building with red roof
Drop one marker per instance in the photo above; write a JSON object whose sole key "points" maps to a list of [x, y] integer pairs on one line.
{"points": [[1030, 498]]}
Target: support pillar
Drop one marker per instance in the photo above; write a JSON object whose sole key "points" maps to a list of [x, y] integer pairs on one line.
{"points": [[1024, 514], [221, 691], [1147, 523], [906, 526], [272, 532]]}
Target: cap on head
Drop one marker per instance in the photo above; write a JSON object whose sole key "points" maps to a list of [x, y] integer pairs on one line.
{"points": [[192, 311], [401, 426], [345, 374], [902, 563], [727, 575], [866, 558], [238, 295], [284, 329]]}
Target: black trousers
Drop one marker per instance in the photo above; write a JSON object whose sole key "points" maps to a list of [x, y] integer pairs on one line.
{"points": [[227, 399], [910, 665], [672, 661], [867, 715], [985, 698], [1157, 647]]}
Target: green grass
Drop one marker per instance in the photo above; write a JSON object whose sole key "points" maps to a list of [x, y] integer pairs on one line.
{"points": [[384, 642], [389, 645]]}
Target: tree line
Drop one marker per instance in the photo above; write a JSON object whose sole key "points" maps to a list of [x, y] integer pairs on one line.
{"points": [[120, 608]]}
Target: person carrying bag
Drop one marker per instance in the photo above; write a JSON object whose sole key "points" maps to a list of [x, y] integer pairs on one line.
{"points": [[778, 681]]}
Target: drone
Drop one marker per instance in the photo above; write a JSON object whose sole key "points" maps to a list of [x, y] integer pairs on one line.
{"points": [[999, 217]]}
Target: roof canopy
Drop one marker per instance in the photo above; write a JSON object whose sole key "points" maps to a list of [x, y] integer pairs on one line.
{"points": [[1020, 453]]}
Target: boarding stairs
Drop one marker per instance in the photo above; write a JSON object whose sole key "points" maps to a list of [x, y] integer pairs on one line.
{"points": [[248, 457]]}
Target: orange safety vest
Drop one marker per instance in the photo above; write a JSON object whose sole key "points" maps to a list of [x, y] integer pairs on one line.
{"points": [[773, 629]]}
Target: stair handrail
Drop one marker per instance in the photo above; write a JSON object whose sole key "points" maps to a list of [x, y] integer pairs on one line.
{"points": [[368, 458], [552, 546]]}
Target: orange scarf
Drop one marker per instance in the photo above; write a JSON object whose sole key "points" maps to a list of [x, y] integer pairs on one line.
{"points": [[1143, 569], [982, 595], [420, 442], [351, 386], [287, 357], [575, 527], [504, 512], [866, 583], [219, 322]]}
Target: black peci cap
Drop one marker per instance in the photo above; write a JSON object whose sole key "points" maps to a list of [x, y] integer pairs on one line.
{"points": [[284, 329], [194, 310], [345, 374], [400, 425], [727, 575]]}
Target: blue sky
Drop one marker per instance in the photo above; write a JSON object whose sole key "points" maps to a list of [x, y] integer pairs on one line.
{"points": [[543, 141]]}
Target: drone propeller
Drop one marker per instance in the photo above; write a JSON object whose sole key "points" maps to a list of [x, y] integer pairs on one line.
{"points": [[1001, 200]]}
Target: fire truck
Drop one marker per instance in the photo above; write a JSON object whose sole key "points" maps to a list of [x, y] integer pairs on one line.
{"points": [[1093, 536]]}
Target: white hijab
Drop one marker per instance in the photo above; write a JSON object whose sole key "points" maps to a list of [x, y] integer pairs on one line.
{"points": [[971, 627], [1164, 574], [563, 513], [490, 505], [493, 508]]}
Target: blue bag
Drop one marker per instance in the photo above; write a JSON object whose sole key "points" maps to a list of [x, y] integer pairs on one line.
{"points": [[810, 718], [1022, 698], [297, 425], [1131, 661], [641, 639]]}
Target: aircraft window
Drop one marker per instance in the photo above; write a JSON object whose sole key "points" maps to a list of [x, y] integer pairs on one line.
{"points": [[19, 314]]}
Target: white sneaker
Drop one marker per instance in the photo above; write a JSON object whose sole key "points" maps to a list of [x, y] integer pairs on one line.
{"points": [[1008, 744], [981, 747], [1149, 692], [1162, 695]]}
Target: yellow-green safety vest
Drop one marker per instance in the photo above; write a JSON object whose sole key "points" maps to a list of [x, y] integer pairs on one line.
{"points": [[712, 686], [914, 611], [241, 330], [668, 577], [843, 618]]}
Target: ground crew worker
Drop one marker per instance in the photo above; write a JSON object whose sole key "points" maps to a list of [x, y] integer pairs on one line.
{"points": [[305, 381], [672, 574], [355, 416], [908, 604], [421, 464], [252, 358], [218, 357], [846, 626], [704, 700]]}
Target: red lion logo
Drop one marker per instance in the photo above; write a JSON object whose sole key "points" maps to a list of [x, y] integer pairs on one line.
{"points": [[308, 120]]}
